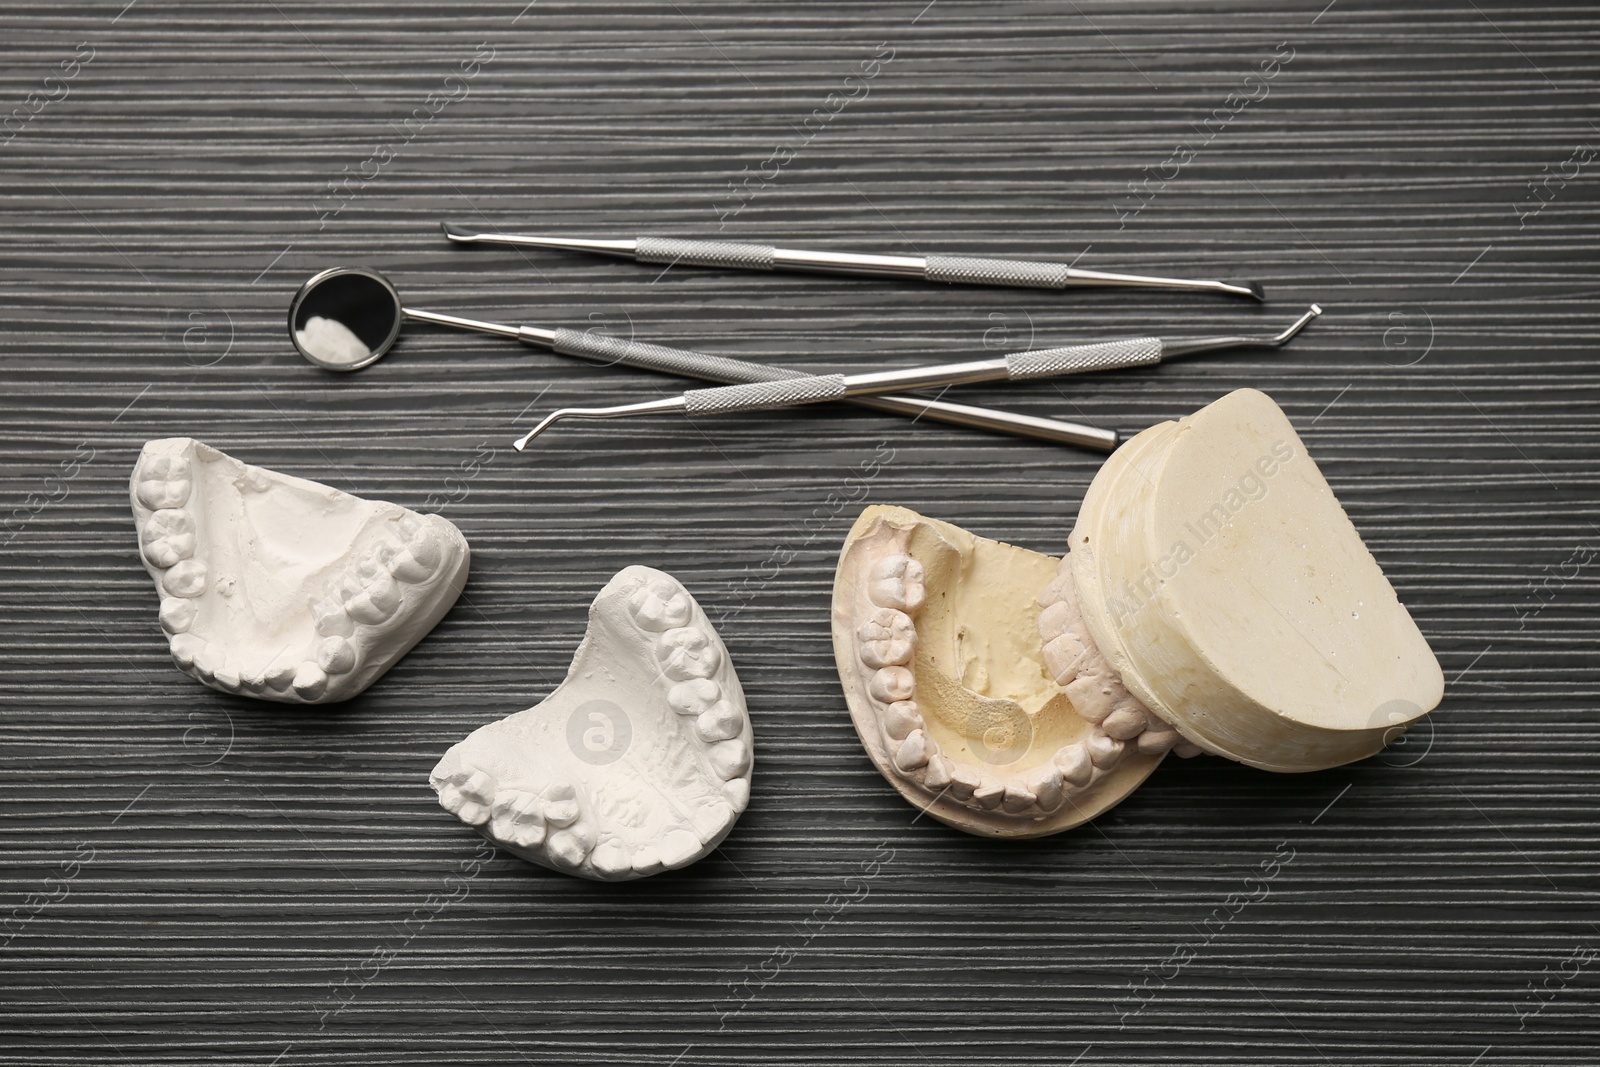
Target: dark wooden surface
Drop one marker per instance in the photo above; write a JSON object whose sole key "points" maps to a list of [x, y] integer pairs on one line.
{"points": [[193, 878]]}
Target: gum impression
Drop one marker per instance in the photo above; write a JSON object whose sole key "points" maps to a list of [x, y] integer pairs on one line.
{"points": [[285, 589], [937, 634], [639, 762]]}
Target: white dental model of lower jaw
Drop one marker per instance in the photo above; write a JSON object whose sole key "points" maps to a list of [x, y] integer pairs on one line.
{"points": [[957, 700], [285, 589], [331, 341], [639, 762]]}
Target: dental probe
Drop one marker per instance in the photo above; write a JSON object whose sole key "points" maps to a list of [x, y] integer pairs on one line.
{"points": [[968, 270], [1018, 366]]}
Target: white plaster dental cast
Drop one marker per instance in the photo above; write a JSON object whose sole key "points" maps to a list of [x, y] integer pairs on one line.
{"points": [[639, 762], [332, 341], [281, 588], [1215, 598]]}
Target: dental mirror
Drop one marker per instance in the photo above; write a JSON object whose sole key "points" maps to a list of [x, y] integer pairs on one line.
{"points": [[345, 318]]}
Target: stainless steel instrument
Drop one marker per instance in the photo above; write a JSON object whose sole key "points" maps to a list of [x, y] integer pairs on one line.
{"points": [[968, 270], [1040, 363], [368, 315]]}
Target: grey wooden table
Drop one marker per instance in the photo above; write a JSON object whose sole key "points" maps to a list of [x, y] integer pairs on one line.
{"points": [[192, 878]]}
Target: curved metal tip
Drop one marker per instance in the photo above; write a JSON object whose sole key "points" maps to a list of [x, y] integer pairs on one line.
{"points": [[1298, 325], [671, 403], [458, 233], [1254, 290], [544, 424], [1195, 345]]}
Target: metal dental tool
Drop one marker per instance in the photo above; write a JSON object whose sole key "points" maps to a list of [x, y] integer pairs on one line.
{"points": [[968, 270], [347, 318], [1018, 366]]}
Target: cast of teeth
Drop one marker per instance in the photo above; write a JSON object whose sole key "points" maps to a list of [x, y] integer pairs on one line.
{"points": [[548, 819], [691, 656], [1095, 689], [662, 802], [720, 723], [354, 620], [162, 485], [885, 644]]}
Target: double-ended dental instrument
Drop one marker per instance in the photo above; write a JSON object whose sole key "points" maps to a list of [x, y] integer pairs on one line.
{"points": [[346, 318], [1018, 366], [965, 270]]}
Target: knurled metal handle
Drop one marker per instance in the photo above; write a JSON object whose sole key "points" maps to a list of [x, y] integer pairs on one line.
{"points": [[756, 396], [608, 350], [703, 253], [970, 270], [1073, 359]]}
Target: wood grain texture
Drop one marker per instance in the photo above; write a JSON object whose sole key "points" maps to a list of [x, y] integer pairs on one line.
{"points": [[258, 884]]}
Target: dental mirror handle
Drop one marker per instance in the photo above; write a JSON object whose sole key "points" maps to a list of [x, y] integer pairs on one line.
{"points": [[607, 350], [965, 270]]}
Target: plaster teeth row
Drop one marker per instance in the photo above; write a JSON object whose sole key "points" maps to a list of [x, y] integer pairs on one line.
{"points": [[689, 655], [371, 594], [669, 770], [163, 484], [548, 819], [935, 634], [886, 643], [344, 637], [1095, 689]]}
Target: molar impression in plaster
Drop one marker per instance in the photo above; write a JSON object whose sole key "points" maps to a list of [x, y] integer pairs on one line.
{"points": [[639, 762], [281, 588]]}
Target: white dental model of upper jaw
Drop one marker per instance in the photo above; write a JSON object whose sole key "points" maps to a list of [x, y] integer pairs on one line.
{"points": [[937, 638], [1216, 598], [281, 588], [331, 341], [639, 762]]}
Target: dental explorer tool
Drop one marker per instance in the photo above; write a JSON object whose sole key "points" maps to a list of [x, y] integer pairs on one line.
{"points": [[1018, 366], [968, 270]]}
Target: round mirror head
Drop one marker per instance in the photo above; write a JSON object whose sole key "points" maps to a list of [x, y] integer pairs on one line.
{"points": [[345, 318]]}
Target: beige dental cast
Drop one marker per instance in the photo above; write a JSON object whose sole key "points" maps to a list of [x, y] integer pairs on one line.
{"points": [[1215, 598], [281, 588], [639, 762]]}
